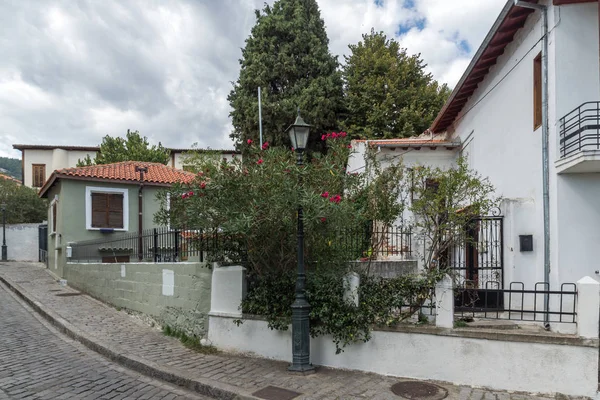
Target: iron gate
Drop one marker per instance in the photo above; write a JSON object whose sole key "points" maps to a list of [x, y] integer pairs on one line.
{"points": [[43, 243], [478, 263]]}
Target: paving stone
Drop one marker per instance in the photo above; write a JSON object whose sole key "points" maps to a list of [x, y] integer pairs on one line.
{"points": [[26, 344]]}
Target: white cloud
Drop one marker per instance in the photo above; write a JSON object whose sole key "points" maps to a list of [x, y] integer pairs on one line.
{"points": [[73, 72]]}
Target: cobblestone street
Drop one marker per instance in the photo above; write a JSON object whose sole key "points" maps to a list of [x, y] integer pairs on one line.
{"points": [[37, 362]]}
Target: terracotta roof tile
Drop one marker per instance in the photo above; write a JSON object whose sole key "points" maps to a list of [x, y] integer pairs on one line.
{"points": [[9, 178], [125, 171]]}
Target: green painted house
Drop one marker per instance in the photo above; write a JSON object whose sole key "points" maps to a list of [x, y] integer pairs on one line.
{"points": [[102, 201]]}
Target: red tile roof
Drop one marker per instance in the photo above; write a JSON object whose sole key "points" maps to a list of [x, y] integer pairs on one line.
{"points": [[123, 172], [9, 178]]}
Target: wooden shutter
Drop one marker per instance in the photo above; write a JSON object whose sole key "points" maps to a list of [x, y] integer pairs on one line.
{"points": [[107, 210], [115, 210], [537, 91], [38, 175]]}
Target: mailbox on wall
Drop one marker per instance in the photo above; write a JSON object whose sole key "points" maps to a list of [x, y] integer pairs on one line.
{"points": [[525, 242]]}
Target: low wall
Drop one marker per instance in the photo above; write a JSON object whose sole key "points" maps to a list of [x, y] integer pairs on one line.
{"points": [[504, 361], [176, 294], [388, 269], [22, 242]]}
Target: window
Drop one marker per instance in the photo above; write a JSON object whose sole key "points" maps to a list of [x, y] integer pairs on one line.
{"points": [[107, 208], [53, 214], [537, 92], [38, 175]]}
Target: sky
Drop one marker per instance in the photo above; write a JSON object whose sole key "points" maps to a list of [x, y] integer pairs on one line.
{"points": [[72, 71]]}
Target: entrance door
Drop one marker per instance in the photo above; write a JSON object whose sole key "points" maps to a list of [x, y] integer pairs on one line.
{"points": [[478, 264]]}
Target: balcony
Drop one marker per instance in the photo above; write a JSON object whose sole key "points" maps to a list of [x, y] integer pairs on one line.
{"points": [[579, 141]]}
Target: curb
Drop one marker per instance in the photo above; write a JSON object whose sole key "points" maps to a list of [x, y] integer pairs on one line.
{"points": [[204, 387]]}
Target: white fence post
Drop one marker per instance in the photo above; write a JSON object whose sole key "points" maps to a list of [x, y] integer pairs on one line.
{"points": [[351, 284], [444, 303], [228, 289], [588, 304]]}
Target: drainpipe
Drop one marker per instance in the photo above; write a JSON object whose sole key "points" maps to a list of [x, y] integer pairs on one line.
{"points": [[141, 170], [545, 163]]}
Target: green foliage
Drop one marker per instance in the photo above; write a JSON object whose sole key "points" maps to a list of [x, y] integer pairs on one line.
{"points": [[444, 202], [388, 92], [12, 166], [23, 205], [254, 203], [286, 55], [383, 302], [133, 148], [191, 342]]}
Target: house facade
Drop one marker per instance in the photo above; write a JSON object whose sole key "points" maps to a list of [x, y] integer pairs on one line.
{"points": [[39, 161], [98, 202], [498, 113]]}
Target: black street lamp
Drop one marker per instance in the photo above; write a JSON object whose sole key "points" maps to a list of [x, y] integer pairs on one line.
{"points": [[4, 252], [300, 308]]}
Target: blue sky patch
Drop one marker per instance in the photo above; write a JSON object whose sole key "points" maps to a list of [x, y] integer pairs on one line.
{"points": [[409, 4], [379, 3], [464, 46], [405, 27]]}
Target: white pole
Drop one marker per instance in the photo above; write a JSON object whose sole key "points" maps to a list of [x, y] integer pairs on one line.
{"points": [[260, 117]]}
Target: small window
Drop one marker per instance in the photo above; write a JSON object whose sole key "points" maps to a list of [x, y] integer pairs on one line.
{"points": [[107, 210], [38, 174], [537, 92], [53, 215]]}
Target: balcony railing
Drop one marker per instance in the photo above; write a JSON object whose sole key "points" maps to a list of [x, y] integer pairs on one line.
{"points": [[580, 129]]}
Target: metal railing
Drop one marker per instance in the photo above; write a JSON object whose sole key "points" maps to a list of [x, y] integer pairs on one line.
{"points": [[160, 245], [376, 243], [580, 129], [517, 303]]}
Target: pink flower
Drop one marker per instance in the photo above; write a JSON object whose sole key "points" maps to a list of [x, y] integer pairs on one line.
{"points": [[265, 145], [323, 137], [334, 135], [190, 193], [249, 141], [325, 195], [184, 195], [349, 146], [343, 134], [260, 161], [293, 149], [335, 199], [203, 185], [323, 219]]}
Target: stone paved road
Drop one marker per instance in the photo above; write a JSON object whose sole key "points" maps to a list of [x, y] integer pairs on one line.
{"points": [[37, 362]]}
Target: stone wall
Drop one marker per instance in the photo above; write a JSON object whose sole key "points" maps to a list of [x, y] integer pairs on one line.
{"points": [[175, 294], [22, 242]]}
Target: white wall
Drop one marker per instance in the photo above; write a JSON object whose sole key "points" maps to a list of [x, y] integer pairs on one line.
{"points": [[22, 242], [53, 159], [516, 365], [496, 128]]}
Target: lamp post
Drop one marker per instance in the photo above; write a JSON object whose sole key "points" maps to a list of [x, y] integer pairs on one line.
{"points": [[298, 132], [4, 252]]}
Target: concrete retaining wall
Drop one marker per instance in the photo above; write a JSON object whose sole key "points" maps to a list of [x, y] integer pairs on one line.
{"points": [[518, 363], [22, 242], [176, 294]]}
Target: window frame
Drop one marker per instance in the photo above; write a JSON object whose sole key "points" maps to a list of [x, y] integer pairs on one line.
{"points": [[53, 223], [104, 190], [33, 174]]}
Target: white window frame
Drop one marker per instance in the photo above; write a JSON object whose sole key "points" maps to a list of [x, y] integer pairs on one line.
{"points": [[88, 207], [51, 221]]}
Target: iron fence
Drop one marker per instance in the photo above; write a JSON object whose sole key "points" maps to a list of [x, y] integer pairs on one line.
{"points": [[376, 243], [580, 129], [517, 303], [161, 245]]}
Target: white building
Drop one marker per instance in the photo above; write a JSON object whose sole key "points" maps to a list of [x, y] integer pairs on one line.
{"points": [[39, 161], [498, 114]]}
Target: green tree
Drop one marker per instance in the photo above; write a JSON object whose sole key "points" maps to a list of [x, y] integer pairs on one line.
{"points": [[12, 166], [388, 92], [286, 55], [131, 148], [23, 205]]}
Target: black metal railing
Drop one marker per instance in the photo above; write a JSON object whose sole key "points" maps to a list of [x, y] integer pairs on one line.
{"points": [[580, 129], [517, 303], [376, 243], [161, 245]]}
